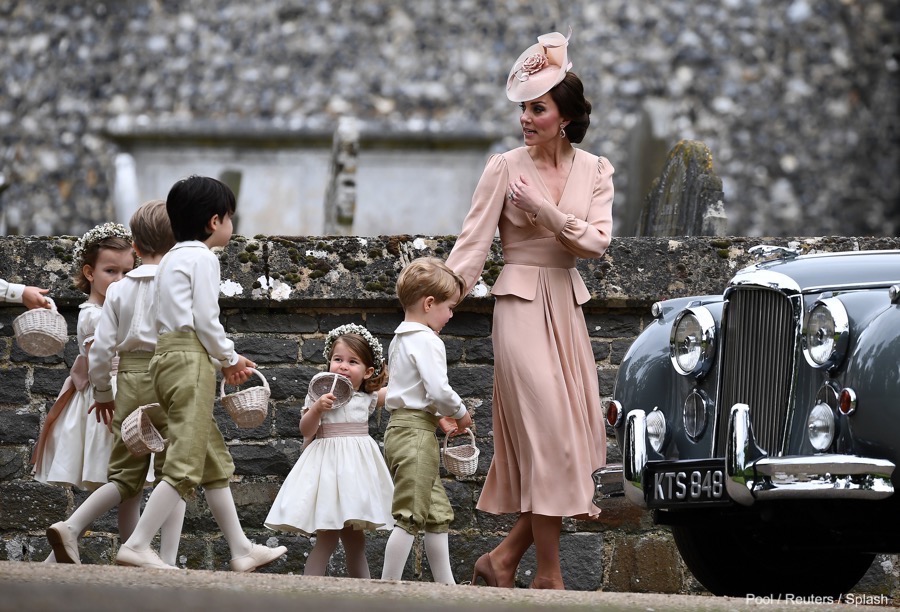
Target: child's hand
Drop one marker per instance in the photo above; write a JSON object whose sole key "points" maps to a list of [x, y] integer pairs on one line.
{"points": [[463, 424], [105, 411], [448, 425], [239, 372], [326, 402], [33, 297]]}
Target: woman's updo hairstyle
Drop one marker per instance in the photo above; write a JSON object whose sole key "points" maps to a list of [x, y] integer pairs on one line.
{"points": [[569, 98]]}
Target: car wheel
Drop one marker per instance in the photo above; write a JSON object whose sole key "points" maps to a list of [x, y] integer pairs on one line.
{"points": [[734, 562]]}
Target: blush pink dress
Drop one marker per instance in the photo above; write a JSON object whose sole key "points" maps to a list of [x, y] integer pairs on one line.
{"points": [[548, 426]]}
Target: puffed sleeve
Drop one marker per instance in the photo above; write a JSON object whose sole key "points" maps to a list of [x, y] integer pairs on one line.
{"points": [[589, 237], [478, 230]]}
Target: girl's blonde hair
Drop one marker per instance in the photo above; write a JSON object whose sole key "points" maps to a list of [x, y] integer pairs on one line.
{"points": [[362, 349], [428, 276]]}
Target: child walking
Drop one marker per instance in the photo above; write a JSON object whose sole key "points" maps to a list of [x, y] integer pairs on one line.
{"points": [[417, 395], [73, 447], [189, 336], [127, 327], [340, 486]]}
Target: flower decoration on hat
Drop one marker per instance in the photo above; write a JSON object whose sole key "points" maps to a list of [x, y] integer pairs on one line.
{"points": [[100, 233], [359, 330], [539, 68], [532, 64]]}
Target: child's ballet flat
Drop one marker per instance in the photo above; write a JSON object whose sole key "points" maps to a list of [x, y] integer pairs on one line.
{"points": [[256, 558], [65, 545], [140, 558]]}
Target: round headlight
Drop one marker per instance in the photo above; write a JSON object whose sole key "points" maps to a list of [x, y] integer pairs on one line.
{"points": [[820, 426], [827, 334], [692, 341], [694, 414], [656, 429]]}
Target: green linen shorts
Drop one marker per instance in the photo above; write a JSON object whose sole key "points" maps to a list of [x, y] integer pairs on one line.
{"points": [[413, 458], [134, 388], [185, 383]]}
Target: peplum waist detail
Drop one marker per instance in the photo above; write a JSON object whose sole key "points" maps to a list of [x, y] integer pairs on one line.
{"points": [[541, 252]]}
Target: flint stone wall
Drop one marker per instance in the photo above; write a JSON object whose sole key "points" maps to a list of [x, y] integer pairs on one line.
{"points": [[804, 136], [280, 295]]}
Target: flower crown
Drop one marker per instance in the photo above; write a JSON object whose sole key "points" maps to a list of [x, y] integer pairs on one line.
{"points": [[98, 234], [359, 330]]}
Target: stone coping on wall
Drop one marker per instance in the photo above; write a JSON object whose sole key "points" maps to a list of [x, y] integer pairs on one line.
{"points": [[346, 271]]}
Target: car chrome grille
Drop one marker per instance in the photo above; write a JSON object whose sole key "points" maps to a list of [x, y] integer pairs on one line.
{"points": [[758, 364]]}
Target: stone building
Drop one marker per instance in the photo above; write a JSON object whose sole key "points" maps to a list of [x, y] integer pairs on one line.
{"points": [[105, 104]]}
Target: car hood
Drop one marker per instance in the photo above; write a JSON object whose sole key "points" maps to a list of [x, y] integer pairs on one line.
{"points": [[831, 270]]}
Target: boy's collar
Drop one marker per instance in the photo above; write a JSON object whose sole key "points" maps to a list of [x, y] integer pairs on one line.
{"points": [[412, 326]]}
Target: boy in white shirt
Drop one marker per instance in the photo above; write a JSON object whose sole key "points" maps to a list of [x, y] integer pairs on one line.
{"points": [[31, 297], [190, 334], [127, 327], [418, 394]]}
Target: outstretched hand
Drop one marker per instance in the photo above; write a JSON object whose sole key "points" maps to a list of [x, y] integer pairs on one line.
{"points": [[104, 411], [33, 297]]}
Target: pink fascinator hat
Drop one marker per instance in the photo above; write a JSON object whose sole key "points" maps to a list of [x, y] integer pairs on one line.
{"points": [[540, 68]]}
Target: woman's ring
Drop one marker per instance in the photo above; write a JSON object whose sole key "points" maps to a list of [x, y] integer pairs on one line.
{"points": [[511, 195]]}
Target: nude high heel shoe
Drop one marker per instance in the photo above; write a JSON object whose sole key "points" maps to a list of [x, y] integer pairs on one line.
{"points": [[484, 569]]}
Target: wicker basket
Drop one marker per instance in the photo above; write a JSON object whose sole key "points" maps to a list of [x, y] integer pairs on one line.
{"points": [[139, 434], [41, 331], [461, 460], [247, 407]]}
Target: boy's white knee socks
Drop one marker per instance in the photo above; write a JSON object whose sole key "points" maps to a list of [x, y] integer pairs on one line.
{"points": [[96, 505], [396, 552], [221, 504], [162, 501], [437, 549], [170, 534]]}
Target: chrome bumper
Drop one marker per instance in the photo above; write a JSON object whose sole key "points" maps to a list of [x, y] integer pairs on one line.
{"points": [[751, 475]]}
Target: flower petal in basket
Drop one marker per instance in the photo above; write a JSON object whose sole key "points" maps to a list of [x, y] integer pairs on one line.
{"points": [[40, 331], [461, 460], [247, 407], [329, 382]]}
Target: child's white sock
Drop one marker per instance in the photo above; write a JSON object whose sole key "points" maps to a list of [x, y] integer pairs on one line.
{"points": [[317, 561], [160, 505], [170, 534], [96, 505], [129, 514], [396, 552], [221, 504], [437, 549]]}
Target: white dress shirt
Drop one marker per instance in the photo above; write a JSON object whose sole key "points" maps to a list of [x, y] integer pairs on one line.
{"points": [[188, 298], [127, 324], [418, 366], [11, 292]]}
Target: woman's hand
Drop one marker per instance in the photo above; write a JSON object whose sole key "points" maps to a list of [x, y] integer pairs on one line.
{"points": [[524, 196]]}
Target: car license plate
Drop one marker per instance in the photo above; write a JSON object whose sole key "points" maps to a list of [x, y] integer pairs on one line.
{"points": [[680, 483]]}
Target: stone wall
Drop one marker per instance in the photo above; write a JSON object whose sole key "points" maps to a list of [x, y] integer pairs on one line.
{"points": [[796, 100], [279, 297]]}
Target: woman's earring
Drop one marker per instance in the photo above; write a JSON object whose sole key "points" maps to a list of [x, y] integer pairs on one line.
{"points": [[562, 132]]}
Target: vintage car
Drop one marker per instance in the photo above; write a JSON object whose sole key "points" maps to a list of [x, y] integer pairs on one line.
{"points": [[763, 424]]}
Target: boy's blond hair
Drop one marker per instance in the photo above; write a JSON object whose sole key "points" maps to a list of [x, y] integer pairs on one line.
{"points": [[428, 276], [151, 229]]}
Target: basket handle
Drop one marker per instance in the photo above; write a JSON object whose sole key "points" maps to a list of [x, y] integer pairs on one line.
{"points": [[52, 303], [255, 371], [468, 431]]}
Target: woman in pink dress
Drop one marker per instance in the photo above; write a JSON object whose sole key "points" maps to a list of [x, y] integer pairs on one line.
{"points": [[552, 203]]}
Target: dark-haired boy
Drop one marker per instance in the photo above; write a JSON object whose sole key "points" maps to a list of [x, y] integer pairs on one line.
{"points": [[200, 210]]}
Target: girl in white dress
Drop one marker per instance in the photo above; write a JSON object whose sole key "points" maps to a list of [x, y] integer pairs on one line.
{"points": [[74, 445], [340, 486]]}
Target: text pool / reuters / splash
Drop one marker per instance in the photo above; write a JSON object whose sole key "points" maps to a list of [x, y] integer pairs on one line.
{"points": [[852, 599]]}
